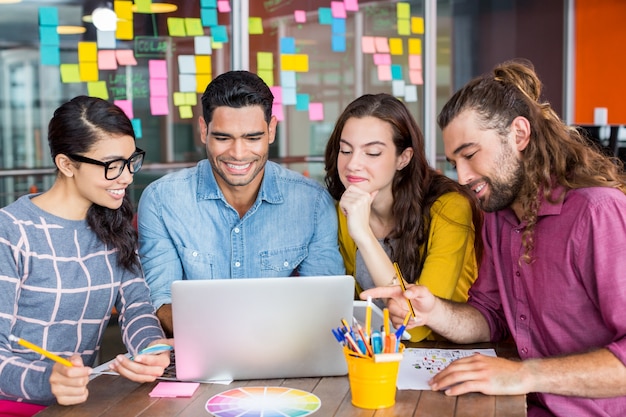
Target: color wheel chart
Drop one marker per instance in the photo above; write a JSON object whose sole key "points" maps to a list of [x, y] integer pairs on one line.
{"points": [[263, 402]]}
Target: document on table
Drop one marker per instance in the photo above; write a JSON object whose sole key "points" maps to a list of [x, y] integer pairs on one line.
{"points": [[419, 365]]}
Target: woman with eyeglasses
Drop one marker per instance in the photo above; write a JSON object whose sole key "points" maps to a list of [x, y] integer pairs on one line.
{"points": [[67, 257]]}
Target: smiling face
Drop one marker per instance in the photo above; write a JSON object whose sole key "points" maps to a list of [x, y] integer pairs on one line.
{"points": [[368, 156], [237, 143], [486, 162], [91, 185]]}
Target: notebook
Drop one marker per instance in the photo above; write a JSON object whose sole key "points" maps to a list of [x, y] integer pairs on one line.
{"points": [[259, 328]]}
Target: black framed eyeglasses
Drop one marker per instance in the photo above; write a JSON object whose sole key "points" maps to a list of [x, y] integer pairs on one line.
{"points": [[113, 169]]}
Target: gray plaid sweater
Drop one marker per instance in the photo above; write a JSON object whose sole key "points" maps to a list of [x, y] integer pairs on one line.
{"points": [[58, 285]]}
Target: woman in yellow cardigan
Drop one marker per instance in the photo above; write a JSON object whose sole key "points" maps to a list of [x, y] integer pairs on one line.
{"points": [[393, 207]]}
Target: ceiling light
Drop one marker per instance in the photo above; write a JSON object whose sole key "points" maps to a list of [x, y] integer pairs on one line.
{"points": [[71, 30], [158, 8], [10, 1], [104, 18]]}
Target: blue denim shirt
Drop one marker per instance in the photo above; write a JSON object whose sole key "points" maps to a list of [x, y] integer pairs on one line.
{"points": [[187, 230]]}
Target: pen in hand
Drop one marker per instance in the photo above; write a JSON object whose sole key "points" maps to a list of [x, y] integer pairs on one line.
{"points": [[42, 351], [401, 279]]}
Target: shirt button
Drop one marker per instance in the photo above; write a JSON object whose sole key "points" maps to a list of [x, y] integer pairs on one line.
{"points": [[524, 350], [286, 263], [237, 264], [195, 253], [236, 230], [517, 273], [522, 317]]}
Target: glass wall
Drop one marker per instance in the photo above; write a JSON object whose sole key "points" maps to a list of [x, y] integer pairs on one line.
{"points": [[318, 55]]}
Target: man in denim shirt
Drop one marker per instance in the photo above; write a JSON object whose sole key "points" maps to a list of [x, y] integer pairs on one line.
{"points": [[235, 214]]}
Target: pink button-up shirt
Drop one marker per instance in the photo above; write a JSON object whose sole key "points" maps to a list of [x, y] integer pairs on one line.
{"points": [[571, 298]]}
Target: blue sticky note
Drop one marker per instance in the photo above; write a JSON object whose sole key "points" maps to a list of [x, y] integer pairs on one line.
{"points": [[289, 96], [325, 15], [48, 16], [208, 17], [302, 102], [338, 43], [338, 26], [208, 4], [287, 45], [396, 72], [137, 128], [219, 33], [50, 55], [288, 79], [48, 35]]}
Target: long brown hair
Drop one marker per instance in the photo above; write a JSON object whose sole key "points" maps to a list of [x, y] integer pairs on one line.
{"points": [[74, 129], [557, 154], [415, 187]]}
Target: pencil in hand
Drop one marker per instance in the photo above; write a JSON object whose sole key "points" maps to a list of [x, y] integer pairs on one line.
{"points": [[37, 349], [401, 279]]}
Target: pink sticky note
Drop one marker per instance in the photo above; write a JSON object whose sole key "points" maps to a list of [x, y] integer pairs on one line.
{"points": [[351, 5], [415, 62], [158, 87], [382, 59], [174, 389], [338, 9], [367, 45], [125, 57], [316, 111], [277, 110], [223, 6], [382, 44], [127, 106], [416, 77], [277, 91], [106, 60], [157, 68], [159, 106], [300, 16], [384, 72]]}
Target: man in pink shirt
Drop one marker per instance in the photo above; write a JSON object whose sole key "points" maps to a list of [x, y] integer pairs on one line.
{"points": [[553, 275]]}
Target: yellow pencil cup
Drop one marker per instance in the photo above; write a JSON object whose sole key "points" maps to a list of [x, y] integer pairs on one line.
{"points": [[372, 384]]}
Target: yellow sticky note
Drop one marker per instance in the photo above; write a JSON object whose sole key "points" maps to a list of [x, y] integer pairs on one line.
{"points": [[294, 62], [267, 76], [191, 99], [70, 73], [203, 64], [265, 60], [98, 89], [403, 10], [404, 27], [216, 45], [417, 25], [202, 80], [179, 98], [144, 6], [185, 112], [87, 51], [194, 26], [123, 9], [88, 71], [415, 46], [124, 30], [255, 26], [176, 26], [395, 46]]}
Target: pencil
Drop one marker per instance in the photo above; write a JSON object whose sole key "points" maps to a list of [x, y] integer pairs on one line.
{"points": [[368, 318], [42, 351], [401, 279]]}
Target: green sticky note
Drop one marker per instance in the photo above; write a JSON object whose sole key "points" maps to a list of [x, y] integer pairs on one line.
{"points": [[176, 26], [255, 26], [194, 26], [98, 89]]}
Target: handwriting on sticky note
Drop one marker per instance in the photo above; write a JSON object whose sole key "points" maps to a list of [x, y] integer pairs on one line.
{"points": [[174, 389]]}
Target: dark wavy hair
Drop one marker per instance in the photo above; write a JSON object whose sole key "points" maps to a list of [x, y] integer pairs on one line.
{"points": [[237, 89], [557, 154], [415, 187], [74, 129]]}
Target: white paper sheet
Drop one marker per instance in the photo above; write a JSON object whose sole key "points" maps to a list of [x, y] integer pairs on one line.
{"points": [[419, 365]]}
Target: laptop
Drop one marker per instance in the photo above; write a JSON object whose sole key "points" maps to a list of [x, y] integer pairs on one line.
{"points": [[260, 328]]}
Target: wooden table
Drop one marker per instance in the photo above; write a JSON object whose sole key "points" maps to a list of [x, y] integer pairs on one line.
{"points": [[116, 396]]}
